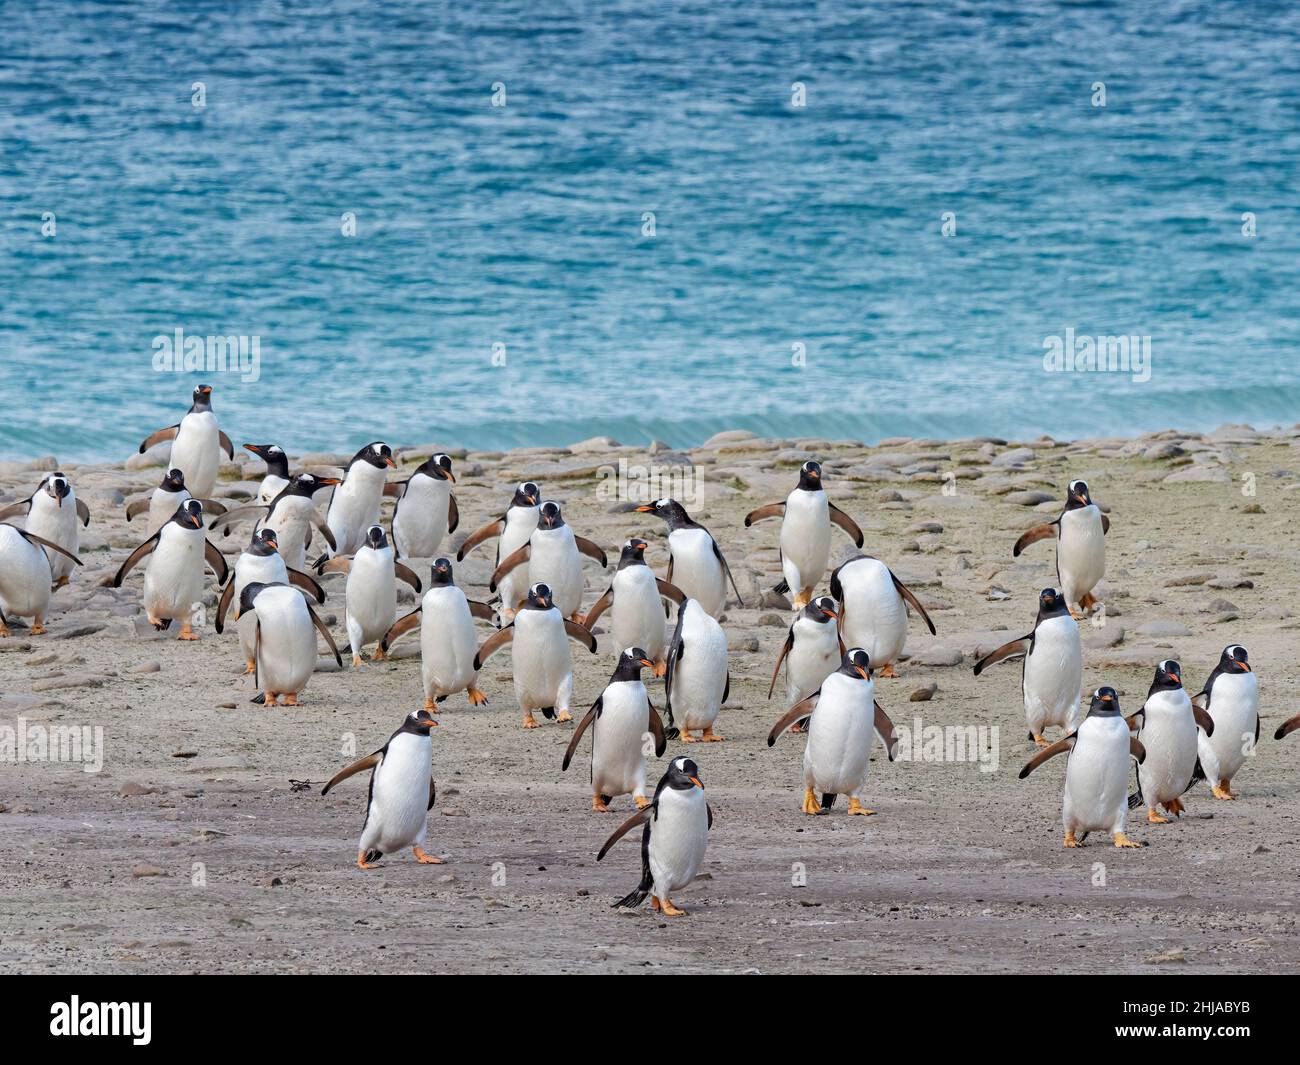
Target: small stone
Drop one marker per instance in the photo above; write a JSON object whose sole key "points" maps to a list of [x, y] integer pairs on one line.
{"points": [[774, 621], [133, 789], [1163, 628], [147, 667], [924, 693], [140, 871]]}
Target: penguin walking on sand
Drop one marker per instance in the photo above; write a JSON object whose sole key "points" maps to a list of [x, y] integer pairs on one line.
{"points": [[620, 720], [173, 577], [448, 643], [514, 528], [402, 793], [1167, 726], [354, 505], [674, 838], [260, 563], [697, 681], [543, 667], [197, 444], [695, 562], [292, 514], [426, 511], [841, 732], [873, 610], [371, 592], [1081, 530], [806, 516], [812, 651], [1051, 677], [554, 557], [636, 596], [53, 512], [276, 478], [1231, 698], [1096, 772], [162, 504], [282, 627], [25, 576]]}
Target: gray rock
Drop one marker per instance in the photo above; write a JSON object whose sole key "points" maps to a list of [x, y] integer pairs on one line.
{"points": [[1163, 628]]}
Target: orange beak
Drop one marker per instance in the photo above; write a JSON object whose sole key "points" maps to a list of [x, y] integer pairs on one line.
{"points": [[1175, 678], [1244, 665], [862, 673], [647, 663], [273, 543], [329, 480], [696, 782], [829, 613], [390, 463], [645, 509], [448, 474]]}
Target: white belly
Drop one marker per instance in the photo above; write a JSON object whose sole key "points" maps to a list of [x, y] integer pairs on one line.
{"points": [[1096, 778], [24, 576], [162, 505], [287, 653], [173, 576], [678, 839], [196, 452], [841, 732], [1169, 736], [637, 616], [696, 569], [399, 802], [874, 616], [542, 663], [292, 521], [355, 506], [272, 485], [520, 523], [1234, 706], [371, 596], [1053, 677], [700, 678], [814, 657], [805, 539], [554, 560], [447, 642], [1081, 552], [59, 525], [254, 569], [421, 520], [618, 741]]}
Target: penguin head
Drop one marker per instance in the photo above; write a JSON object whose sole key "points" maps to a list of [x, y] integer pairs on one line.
{"points": [[308, 484], [419, 721], [377, 454], [1050, 603], [1234, 659], [57, 487], [173, 481], [273, 455], [633, 553], [669, 509], [202, 398], [810, 476], [857, 663], [1077, 495], [376, 540], [549, 517], [1169, 676], [527, 494], [438, 467], [539, 597], [1105, 703], [630, 664], [189, 514], [821, 610], [683, 774], [264, 543], [251, 591], [440, 572]]}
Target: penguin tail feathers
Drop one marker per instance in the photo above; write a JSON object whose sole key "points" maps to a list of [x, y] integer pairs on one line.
{"points": [[319, 564], [548, 712], [1198, 773], [828, 800], [259, 698], [1135, 800], [1084, 837], [373, 855], [672, 733], [782, 588], [633, 900]]}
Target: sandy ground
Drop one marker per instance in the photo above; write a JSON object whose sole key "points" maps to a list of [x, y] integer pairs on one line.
{"points": [[221, 866]]}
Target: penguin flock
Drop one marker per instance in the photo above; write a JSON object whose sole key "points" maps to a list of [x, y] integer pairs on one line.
{"points": [[836, 645]]}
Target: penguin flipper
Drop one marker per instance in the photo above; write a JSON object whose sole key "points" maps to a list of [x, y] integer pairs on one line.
{"points": [[226, 445], [1059, 747], [583, 725], [223, 605], [481, 610], [401, 626], [83, 512], [493, 644], [406, 574], [1008, 650], [511, 561], [133, 509], [213, 557], [727, 569], [368, 762], [433, 793], [1038, 532], [491, 529], [1136, 749], [329, 640], [49, 545], [337, 564], [213, 506], [776, 670], [847, 524], [1285, 729], [591, 550], [912, 601], [249, 510], [17, 510], [636, 819], [1206, 722], [157, 438], [393, 489], [1105, 524], [800, 709], [453, 513], [885, 729], [322, 526], [599, 607], [670, 592], [135, 556], [580, 633], [307, 584], [657, 730], [769, 510]]}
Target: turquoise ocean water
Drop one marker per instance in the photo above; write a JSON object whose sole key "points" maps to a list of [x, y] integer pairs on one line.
{"points": [[788, 227]]}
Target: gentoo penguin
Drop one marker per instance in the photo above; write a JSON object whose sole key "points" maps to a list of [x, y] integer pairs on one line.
{"points": [[812, 651], [162, 504], [1081, 546], [1167, 726], [806, 532], [873, 610], [426, 509], [292, 514], [25, 582], [543, 667], [402, 792], [843, 727], [197, 444], [695, 562], [447, 640], [514, 528], [260, 563], [554, 557], [1051, 678], [173, 577], [283, 628], [354, 505], [53, 511], [276, 478], [635, 594], [676, 832], [620, 719], [1096, 773], [697, 681], [1231, 698], [371, 591]]}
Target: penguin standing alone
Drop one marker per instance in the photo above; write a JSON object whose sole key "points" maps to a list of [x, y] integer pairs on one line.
{"points": [[514, 528], [426, 510], [1051, 677], [635, 594], [620, 719], [1231, 698], [695, 561], [697, 682], [1167, 726], [197, 444], [674, 839], [806, 533], [25, 581], [402, 793], [873, 610], [53, 512], [1080, 549], [1096, 772], [371, 592]]}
